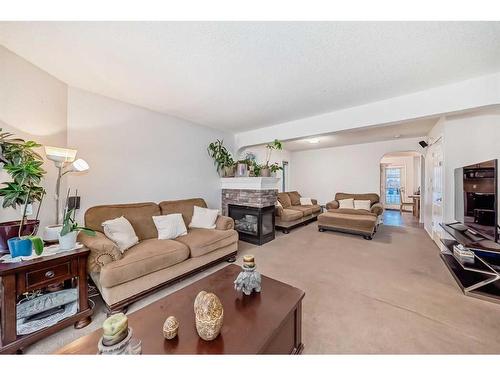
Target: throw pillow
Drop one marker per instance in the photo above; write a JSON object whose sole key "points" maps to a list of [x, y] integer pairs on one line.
{"points": [[278, 204], [170, 226], [362, 204], [121, 232], [294, 198], [203, 218], [346, 203], [306, 201]]}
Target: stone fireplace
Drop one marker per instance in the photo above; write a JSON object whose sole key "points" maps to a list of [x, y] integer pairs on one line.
{"points": [[250, 201]]}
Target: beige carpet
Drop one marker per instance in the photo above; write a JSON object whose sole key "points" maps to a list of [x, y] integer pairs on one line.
{"points": [[389, 295]]}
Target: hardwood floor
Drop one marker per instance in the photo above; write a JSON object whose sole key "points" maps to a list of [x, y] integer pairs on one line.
{"points": [[395, 218]]}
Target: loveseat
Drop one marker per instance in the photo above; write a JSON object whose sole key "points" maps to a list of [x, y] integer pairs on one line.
{"points": [[290, 212], [152, 263], [363, 221]]}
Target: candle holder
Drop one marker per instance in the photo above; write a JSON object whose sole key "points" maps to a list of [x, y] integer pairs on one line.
{"points": [[249, 279]]}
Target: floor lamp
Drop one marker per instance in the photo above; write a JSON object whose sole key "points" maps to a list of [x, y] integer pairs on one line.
{"points": [[64, 160]]}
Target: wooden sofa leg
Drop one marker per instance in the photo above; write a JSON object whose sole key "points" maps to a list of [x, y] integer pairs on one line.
{"points": [[321, 229], [112, 311], [232, 259]]}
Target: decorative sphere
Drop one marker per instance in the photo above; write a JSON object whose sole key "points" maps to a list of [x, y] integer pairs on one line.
{"points": [[209, 315], [170, 327]]}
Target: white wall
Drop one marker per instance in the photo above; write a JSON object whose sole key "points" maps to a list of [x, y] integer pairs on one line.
{"points": [[138, 155], [468, 140], [355, 169], [33, 106]]}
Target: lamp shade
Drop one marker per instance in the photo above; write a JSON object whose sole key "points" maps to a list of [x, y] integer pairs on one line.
{"points": [[79, 165], [60, 155]]}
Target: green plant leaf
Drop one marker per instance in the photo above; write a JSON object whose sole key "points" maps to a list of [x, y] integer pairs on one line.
{"points": [[37, 244]]}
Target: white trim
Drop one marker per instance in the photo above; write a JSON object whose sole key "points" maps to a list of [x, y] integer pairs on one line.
{"points": [[250, 183]]}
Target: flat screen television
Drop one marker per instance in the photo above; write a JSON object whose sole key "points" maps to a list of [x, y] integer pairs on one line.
{"points": [[476, 195]]}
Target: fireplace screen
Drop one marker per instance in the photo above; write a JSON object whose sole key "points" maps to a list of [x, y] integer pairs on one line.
{"points": [[254, 224]]}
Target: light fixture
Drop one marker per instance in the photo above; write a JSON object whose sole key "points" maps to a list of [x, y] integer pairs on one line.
{"points": [[64, 159], [313, 140], [60, 155]]}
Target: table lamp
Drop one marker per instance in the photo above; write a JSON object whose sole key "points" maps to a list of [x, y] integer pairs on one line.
{"points": [[64, 160]]}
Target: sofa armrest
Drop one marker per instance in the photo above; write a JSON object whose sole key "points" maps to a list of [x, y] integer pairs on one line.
{"points": [[278, 211], [332, 205], [314, 201], [224, 223], [377, 208], [102, 250]]}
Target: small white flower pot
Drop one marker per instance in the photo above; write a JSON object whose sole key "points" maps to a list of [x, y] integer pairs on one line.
{"points": [[68, 241]]}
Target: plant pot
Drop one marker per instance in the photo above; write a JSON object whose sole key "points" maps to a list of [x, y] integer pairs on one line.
{"points": [[229, 171], [265, 172], [68, 241], [10, 229], [20, 247], [241, 170]]}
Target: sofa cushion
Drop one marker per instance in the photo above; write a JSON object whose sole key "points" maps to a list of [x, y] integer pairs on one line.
{"points": [[340, 219], [315, 208], [290, 215], [352, 211], [284, 199], [146, 257], [306, 210], [140, 215], [294, 198], [372, 197], [183, 206], [201, 241]]}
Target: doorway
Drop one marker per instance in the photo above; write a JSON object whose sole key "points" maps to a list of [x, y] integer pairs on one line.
{"points": [[400, 185], [285, 176]]}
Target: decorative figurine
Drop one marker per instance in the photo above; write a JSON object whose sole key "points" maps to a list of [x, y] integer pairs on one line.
{"points": [[209, 315], [117, 337], [170, 328], [248, 280]]}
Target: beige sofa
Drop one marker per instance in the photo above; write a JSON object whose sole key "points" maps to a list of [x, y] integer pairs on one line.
{"points": [[358, 221], [292, 214], [152, 263]]}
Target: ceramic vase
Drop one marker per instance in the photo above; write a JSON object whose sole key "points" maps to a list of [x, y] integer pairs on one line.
{"points": [[20, 247], [68, 241]]}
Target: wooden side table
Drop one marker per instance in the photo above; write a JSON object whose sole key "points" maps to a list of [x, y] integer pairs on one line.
{"points": [[18, 278]]}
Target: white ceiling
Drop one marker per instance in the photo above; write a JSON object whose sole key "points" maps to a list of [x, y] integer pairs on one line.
{"points": [[418, 128], [243, 75]]}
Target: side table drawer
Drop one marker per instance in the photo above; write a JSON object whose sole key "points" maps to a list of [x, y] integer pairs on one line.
{"points": [[49, 275]]}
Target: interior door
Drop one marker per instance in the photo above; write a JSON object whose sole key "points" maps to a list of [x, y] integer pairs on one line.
{"points": [[394, 185]]}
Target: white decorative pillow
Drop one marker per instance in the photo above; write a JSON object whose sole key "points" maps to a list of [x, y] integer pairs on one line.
{"points": [[306, 201], [121, 232], [346, 203], [362, 204], [278, 204], [203, 218], [170, 226]]}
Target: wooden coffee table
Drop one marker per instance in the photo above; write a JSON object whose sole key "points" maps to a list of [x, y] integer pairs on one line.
{"points": [[269, 322]]}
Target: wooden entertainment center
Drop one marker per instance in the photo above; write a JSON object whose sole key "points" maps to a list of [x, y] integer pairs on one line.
{"points": [[479, 278]]}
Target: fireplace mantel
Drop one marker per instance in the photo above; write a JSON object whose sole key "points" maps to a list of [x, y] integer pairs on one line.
{"points": [[250, 183]]}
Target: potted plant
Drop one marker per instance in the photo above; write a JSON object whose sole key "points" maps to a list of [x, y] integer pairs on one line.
{"points": [[70, 230], [275, 145], [23, 245], [275, 167], [24, 166], [223, 160]]}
